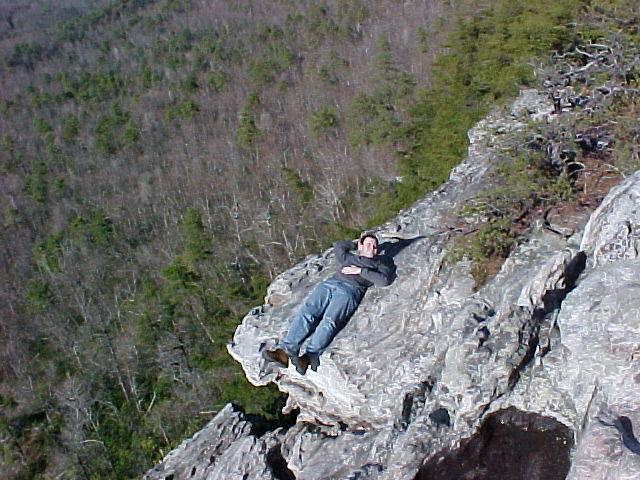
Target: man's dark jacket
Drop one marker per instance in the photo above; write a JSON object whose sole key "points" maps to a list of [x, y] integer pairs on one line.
{"points": [[378, 271]]}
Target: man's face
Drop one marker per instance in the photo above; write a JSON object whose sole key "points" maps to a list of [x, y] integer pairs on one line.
{"points": [[368, 247]]}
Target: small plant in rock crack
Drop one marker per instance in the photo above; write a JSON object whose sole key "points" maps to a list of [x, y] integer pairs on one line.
{"points": [[503, 212], [486, 248]]}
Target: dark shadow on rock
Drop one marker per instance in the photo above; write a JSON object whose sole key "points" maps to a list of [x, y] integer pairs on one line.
{"points": [[552, 301], [389, 249], [271, 419], [510, 445], [440, 417], [414, 401], [625, 428], [366, 471], [392, 248], [278, 465], [554, 298]]}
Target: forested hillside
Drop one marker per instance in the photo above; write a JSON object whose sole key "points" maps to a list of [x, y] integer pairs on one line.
{"points": [[163, 160]]}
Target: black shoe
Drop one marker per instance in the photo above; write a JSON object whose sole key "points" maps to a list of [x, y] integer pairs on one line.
{"points": [[301, 363], [306, 361], [278, 356], [314, 361]]}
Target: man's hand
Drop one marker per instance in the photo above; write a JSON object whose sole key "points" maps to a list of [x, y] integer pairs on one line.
{"points": [[351, 270]]}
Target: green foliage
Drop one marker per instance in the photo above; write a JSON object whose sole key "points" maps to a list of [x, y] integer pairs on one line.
{"points": [[322, 23], [174, 48], [339, 231], [7, 402], [41, 126], [180, 276], [487, 61], [520, 184], [350, 16], [10, 158], [25, 55], [124, 436], [496, 238], [70, 128], [177, 6], [11, 216], [60, 187], [114, 130], [253, 101], [319, 24], [50, 146], [217, 80], [331, 64], [35, 434], [260, 72], [492, 240], [35, 184], [189, 84], [104, 47], [374, 119], [94, 228], [323, 120], [369, 121], [197, 242], [92, 87], [38, 98], [131, 133], [7, 144], [75, 29], [422, 39], [213, 45], [262, 405], [202, 304], [38, 295], [274, 57], [146, 77], [104, 134], [296, 184], [247, 133], [48, 252], [181, 41], [100, 87], [71, 31], [328, 69], [326, 75], [396, 84], [184, 109], [626, 155], [280, 56]]}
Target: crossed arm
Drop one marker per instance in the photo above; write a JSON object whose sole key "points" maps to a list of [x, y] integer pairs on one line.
{"points": [[376, 270]]}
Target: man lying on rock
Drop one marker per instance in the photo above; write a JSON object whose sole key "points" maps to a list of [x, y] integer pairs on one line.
{"points": [[332, 302]]}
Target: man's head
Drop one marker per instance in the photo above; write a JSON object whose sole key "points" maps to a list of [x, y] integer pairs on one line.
{"points": [[368, 245]]}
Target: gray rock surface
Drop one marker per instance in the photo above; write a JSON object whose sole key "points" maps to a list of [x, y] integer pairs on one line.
{"points": [[556, 333], [224, 449], [595, 365]]}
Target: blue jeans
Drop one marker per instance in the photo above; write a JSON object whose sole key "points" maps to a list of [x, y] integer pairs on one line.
{"points": [[322, 315]]}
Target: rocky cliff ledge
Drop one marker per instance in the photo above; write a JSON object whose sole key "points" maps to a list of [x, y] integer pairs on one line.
{"points": [[433, 379]]}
